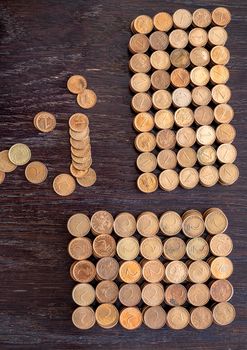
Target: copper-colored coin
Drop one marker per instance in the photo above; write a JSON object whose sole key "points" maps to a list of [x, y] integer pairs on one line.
{"points": [[180, 77], [154, 317], [153, 294], [180, 58], [221, 267], [191, 212], [226, 153], [174, 248], [170, 223], [221, 93], [79, 136], [186, 137], [163, 21], [147, 182], [221, 244], [145, 142], [139, 43], [83, 271], [88, 179], [201, 96], [78, 122], [168, 180], [166, 139], [141, 102], [199, 76], [6, 165], [206, 155], [193, 226], [197, 248], [36, 172], [220, 55], [201, 318], [184, 117], [167, 159], [178, 318], [208, 175], [143, 24], [102, 222], [217, 36], [19, 154], [182, 18], [224, 313], [2, 177], [221, 16], [175, 295], [153, 271], [198, 37], [140, 63], [199, 56], [81, 145], [106, 292], [223, 113], [107, 268], [201, 18], [83, 294], [219, 74], [146, 162], [124, 224], [176, 272], [80, 248], [79, 225], [188, 178], [143, 122], [158, 40], [151, 248], [87, 99], [199, 271], [228, 174], [221, 291], [64, 185], [130, 318], [203, 115], [198, 294], [215, 221], [83, 317], [44, 121], [225, 133], [81, 152], [130, 294], [77, 173], [84, 163], [106, 315], [130, 271], [140, 82], [147, 224], [164, 119], [205, 135], [160, 60], [104, 245], [181, 97], [128, 248], [160, 79], [178, 39], [186, 157], [76, 84]]}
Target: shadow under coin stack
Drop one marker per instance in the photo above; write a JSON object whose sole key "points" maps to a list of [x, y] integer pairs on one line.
{"points": [[172, 270], [181, 100]]}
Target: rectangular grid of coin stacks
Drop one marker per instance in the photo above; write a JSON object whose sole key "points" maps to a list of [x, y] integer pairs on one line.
{"points": [[172, 270], [181, 100]]}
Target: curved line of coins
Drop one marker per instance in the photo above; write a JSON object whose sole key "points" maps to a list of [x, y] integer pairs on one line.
{"points": [[179, 280], [180, 75]]}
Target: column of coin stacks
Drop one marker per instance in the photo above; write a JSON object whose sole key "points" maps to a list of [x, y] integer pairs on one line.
{"points": [[181, 100], [172, 270]]}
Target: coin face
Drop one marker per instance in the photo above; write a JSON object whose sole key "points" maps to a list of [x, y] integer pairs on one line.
{"points": [[78, 122], [178, 38], [175, 295], [228, 174], [154, 317], [153, 271], [83, 294], [206, 155], [193, 226], [198, 37], [216, 221], [221, 291], [88, 179], [79, 225], [199, 76], [146, 162], [83, 317], [184, 117], [221, 93], [147, 224], [106, 292], [180, 77], [217, 36], [208, 175], [19, 154], [107, 268], [182, 18], [104, 245], [147, 182], [143, 24], [163, 21], [197, 248], [180, 58], [170, 223], [178, 317], [220, 55], [138, 43], [143, 122], [226, 153], [201, 18], [181, 97], [221, 16], [36, 172], [201, 95], [164, 119], [203, 115], [186, 157], [151, 248], [140, 82], [166, 139], [130, 271], [188, 178], [224, 313], [198, 294], [44, 121], [87, 99], [219, 74], [76, 84], [174, 248], [145, 142], [102, 222], [153, 294], [225, 133], [130, 294], [141, 102], [64, 185], [201, 317], [130, 318], [83, 271], [176, 272], [125, 224], [106, 315], [160, 79], [6, 165], [160, 60], [128, 248], [168, 180], [158, 40], [199, 271], [221, 244], [221, 268], [223, 113], [80, 248], [186, 137], [167, 159], [200, 56], [205, 135], [140, 63]]}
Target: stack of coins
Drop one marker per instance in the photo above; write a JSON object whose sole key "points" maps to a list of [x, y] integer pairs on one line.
{"points": [[170, 270], [181, 100]]}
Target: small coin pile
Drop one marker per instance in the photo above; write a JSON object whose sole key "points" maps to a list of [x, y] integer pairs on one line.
{"points": [[183, 118], [19, 155], [86, 98], [172, 270]]}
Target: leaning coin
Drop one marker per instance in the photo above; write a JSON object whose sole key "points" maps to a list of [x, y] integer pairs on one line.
{"points": [[19, 154], [64, 184], [87, 99], [36, 172], [76, 84], [6, 165], [87, 180], [44, 121]]}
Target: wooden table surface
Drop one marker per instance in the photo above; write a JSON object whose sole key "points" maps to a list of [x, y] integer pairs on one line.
{"points": [[43, 43]]}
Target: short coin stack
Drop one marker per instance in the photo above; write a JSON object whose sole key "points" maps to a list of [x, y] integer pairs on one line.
{"points": [[172, 270], [181, 100]]}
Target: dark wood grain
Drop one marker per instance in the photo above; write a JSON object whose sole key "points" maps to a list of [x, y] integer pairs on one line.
{"points": [[42, 43]]}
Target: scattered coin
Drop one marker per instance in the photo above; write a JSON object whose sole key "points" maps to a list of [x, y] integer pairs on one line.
{"points": [[36, 172], [19, 154], [44, 121], [64, 184], [76, 84], [88, 179], [6, 165], [87, 99]]}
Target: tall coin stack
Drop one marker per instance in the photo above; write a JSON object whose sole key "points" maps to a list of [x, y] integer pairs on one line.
{"points": [[181, 100]]}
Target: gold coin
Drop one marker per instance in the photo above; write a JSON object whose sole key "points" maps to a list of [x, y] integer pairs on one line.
{"points": [[160, 79], [124, 224], [198, 37], [221, 244], [178, 317], [151, 248], [221, 16], [88, 179], [199, 56], [77, 173], [215, 221], [217, 36], [106, 315], [221, 268], [164, 119], [146, 162], [167, 159], [130, 271], [158, 40], [138, 43], [204, 115], [145, 142], [193, 226], [219, 74], [221, 93], [80, 145], [141, 102], [224, 313], [78, 122], [201, 18], [182, 18], [64, 184], [166, 139], [83, 294], [228, 174], [153, 271], [225, 133], [168, 180], [223, 113], [147, 224], [128, 248], [181, 97], [201, 95], [79, 225], [188, 178], [180, 58], [208, 175], [6, 165], [178, 39], [44, 121], [140, 82], [180, 77], [81, 152], [226, 153], [79, 136], [83, 166], [130, 318], [147, 182], [176, 272], [140, 63], [76, 84], [186, 137], [160, 60], [2, 177], [186, 157], [206, 155], [19, 154], [87, 99], [163, 21], [197, 248], [83, 317], [220, 55], [161, 99], [170, 223], [199, 76], [205, 135], [184, 117], [143, 24], [143, 122], [36, 172]]}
